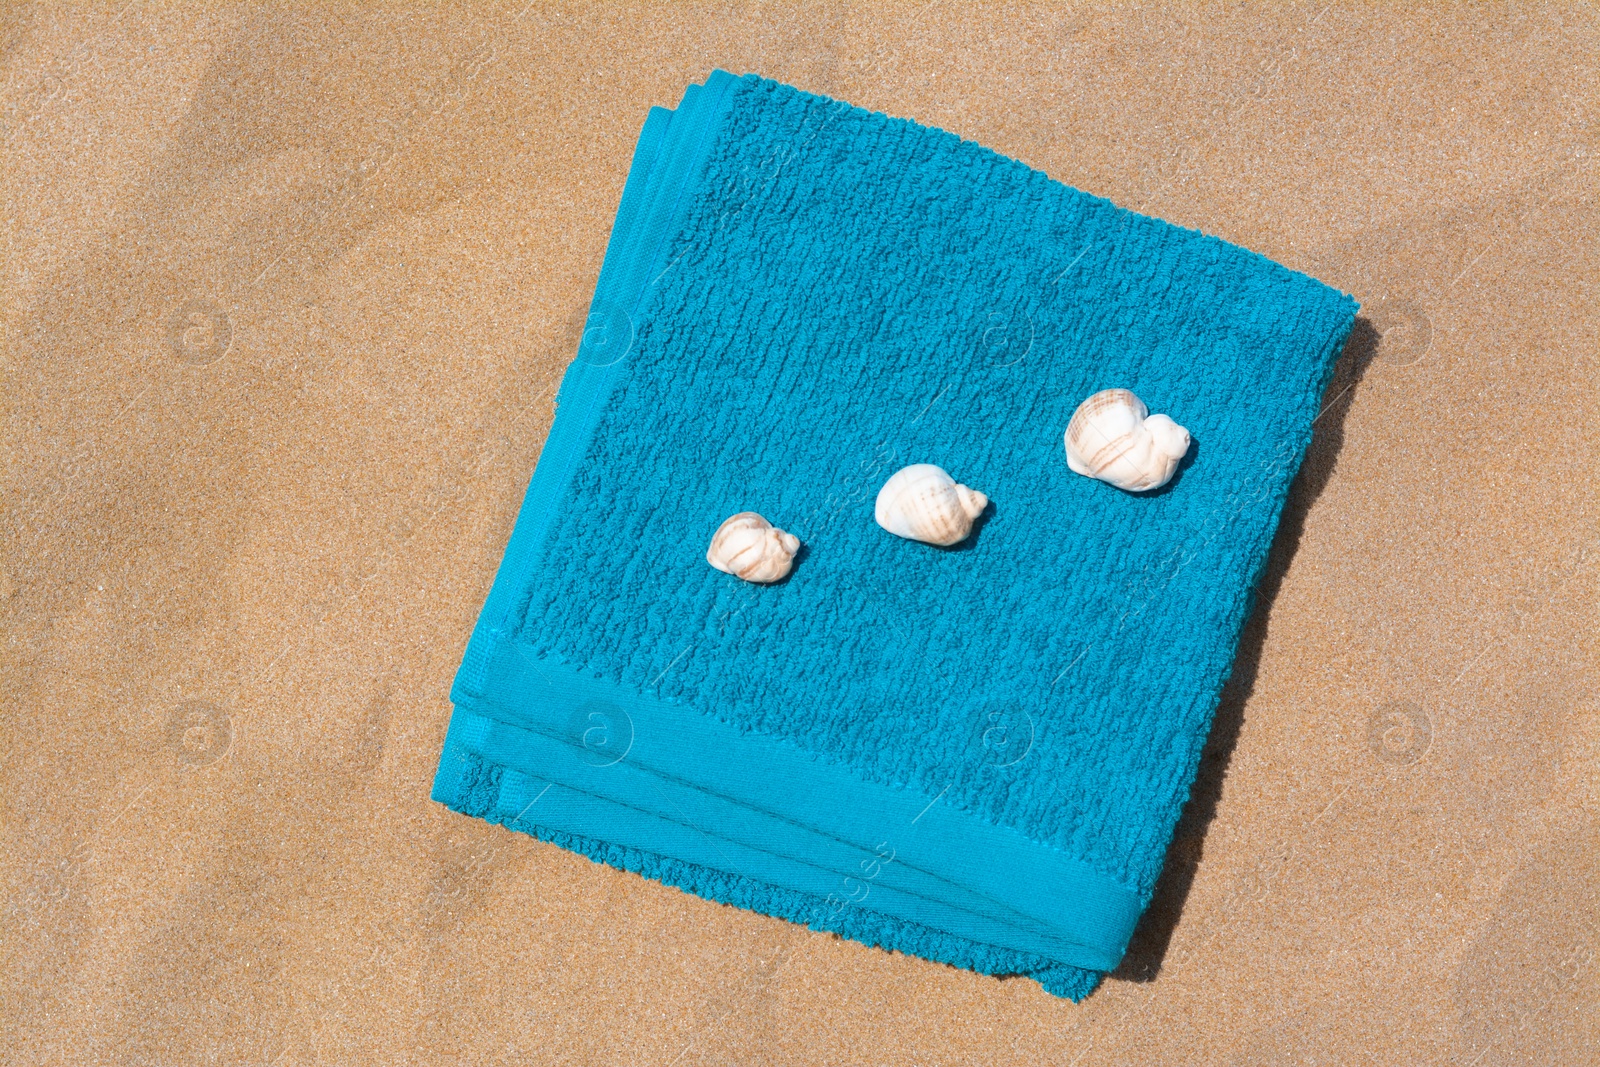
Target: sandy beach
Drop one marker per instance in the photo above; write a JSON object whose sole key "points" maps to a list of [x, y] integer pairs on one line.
{"points": [[287, 293]]}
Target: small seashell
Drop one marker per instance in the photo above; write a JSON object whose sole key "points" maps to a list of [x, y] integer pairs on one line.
{"points": [[1113, 437], [749, 547], [923, 503]]}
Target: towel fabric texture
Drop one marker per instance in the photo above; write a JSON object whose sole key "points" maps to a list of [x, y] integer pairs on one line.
{"points": [[975, 755]]}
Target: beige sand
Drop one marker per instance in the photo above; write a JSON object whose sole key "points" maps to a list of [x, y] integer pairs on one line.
{"points": [[286, 296]]}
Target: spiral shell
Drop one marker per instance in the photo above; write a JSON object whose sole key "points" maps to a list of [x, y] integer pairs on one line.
{"points": [[923, 503], [1113, 437], [749, 547]]}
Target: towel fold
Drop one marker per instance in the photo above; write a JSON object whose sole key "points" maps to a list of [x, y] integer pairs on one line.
{"points": [[978, 754]]}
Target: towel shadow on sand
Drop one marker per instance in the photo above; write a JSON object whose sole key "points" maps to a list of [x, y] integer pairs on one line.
{"points": [[1148, 947]]}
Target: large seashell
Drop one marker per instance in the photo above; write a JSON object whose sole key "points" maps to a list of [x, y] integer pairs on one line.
{"points": [[923, 503], [1113, 437], [749, 547]]}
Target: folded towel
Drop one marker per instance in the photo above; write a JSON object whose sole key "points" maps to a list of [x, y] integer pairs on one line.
{"points": [[975, 755]]}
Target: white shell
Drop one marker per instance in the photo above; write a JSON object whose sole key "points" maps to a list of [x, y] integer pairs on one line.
{"points": [[1113, 437], [749, 547], [923, 503]]}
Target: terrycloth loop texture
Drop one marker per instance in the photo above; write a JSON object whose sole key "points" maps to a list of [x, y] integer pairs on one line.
{"points": [[840, 294]]}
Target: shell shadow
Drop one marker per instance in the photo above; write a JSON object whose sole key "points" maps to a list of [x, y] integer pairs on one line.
{"points": [[1148, 946], [969, 542], [794, 565], [1188, 460]]}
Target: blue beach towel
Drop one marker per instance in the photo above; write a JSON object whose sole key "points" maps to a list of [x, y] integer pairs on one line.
{"points": [[975, 755]]}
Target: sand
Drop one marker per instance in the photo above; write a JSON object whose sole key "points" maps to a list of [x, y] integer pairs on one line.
{"points": [[286, 298]]}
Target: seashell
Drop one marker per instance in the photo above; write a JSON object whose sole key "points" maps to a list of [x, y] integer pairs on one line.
{"points": [[923, 503], [1113, 437], [749, 547]]}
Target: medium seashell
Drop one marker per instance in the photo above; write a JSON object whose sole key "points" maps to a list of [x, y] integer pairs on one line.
{"points": [[1113, 437], [749, 547], [923, 503]]}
